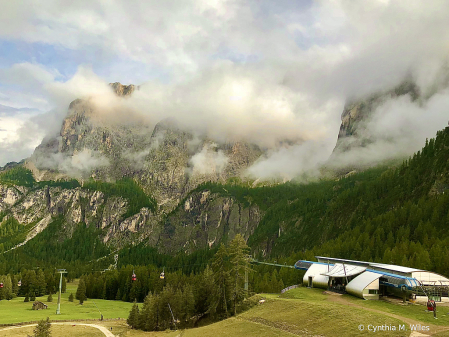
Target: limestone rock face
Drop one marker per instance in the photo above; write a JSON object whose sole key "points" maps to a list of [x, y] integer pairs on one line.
{"points": [[123, 90], [204, 219], [9, 196], [42, 206], [166, 160], [357, 112]]}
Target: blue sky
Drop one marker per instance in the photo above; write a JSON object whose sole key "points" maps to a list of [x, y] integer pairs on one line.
{"points": [[293, 63]]}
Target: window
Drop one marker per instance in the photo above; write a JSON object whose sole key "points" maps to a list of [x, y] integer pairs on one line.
{"points": [[372, 291]]}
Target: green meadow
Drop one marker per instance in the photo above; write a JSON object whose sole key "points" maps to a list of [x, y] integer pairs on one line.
{"points": [[16, 310], [301, 311]]}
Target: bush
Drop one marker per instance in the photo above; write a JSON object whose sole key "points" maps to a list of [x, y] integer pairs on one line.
{"points": [[43, 329], [50, 298], [71, 297]]}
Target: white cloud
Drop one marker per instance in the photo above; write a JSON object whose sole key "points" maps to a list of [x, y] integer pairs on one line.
{"points": [[242, 70], [208, 161]]}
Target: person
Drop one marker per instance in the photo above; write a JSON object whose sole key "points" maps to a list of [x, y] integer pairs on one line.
{"points": [[434, 309]]}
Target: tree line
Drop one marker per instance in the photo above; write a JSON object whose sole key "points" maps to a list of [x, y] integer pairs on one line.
{"points": [[215, 292], [30, 284]]}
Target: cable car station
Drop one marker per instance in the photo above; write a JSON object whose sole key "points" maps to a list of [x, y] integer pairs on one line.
{"points": [[369, 280]]}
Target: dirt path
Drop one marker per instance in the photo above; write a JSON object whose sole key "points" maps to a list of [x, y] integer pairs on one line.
{"points": [[433, 328], [103, 329]]}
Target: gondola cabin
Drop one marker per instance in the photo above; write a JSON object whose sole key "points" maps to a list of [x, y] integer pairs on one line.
{"points": [[1, 284], [162, 276], [133, 277], [19, 283]]}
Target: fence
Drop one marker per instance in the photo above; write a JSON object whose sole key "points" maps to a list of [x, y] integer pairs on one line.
{"points": [[289, 288]]}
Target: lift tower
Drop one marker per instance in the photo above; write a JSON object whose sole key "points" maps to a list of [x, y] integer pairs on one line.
{"points": [[60, 271]]}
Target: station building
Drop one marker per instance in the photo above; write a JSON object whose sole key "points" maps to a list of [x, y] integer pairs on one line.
{"points": [[369, 280]]}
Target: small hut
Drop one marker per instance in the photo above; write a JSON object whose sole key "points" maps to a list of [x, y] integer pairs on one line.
{"points": [[39, 305]]}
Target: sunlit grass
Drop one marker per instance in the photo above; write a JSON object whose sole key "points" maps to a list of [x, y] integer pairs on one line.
{"points": [[16, 310]]}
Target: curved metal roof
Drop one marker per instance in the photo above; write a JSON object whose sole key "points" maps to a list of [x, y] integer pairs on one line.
{"points": [[343, 270], [358, 284]]}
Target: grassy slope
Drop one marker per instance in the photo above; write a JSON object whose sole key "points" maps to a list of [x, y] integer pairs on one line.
{"points": [[56, 331], [302, 311], [18, 311]]}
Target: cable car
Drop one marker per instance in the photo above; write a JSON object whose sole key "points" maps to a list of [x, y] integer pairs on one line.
{"points": [[162, 276], [133, 277], [19, 283], [431, 305], [1, 284]]}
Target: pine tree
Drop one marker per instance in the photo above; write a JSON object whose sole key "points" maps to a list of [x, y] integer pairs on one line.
{"points": [[81, 291], [239, 259], [118, 297], [64, 285], [50, 298], [41, 285], [43, 329], [221, 278], [149, 315], [133, 318], [71, 297], [188, 303]]}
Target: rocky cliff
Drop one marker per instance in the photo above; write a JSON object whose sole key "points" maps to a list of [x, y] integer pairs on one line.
{"points": [[166, 161], [358, 111]]}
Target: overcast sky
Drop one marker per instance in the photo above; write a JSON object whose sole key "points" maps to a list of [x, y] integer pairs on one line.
{"points": [[260, 70]]}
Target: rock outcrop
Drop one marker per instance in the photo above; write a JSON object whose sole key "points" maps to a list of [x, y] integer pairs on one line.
{"points": [[357, 112], [166, 160]]}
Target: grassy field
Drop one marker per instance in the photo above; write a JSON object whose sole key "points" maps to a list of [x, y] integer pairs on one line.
{"points": [[413, 311], [301, 311], [16, 310], [66, 331]]}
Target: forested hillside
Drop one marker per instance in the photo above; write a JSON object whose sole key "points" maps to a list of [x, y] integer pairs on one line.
{"points": [[391, 215], [387, 214]]}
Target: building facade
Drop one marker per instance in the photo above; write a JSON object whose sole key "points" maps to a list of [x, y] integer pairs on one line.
{"points": [[371, 280]]}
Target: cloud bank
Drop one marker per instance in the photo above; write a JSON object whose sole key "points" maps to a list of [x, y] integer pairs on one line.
{"points": [[263, 72]]}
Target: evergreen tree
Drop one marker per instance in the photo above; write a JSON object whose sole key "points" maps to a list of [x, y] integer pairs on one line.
{"points": [[133, 318], [188, 303], [71, 297], [64, 285], [50, 298], [221, 277], [118, 297], [149, 315], [239, 260], [204, 291], [81, 291], [43, 329], [14, 286], [41, 285]]}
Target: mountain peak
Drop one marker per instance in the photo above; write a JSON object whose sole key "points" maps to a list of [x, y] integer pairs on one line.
{"points": [[123, 90]]}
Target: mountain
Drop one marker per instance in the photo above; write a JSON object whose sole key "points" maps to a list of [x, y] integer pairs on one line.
{"points": [[130, 178], [142, 192], [359, 111], [166, 160]]}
